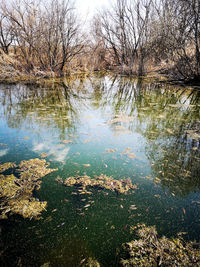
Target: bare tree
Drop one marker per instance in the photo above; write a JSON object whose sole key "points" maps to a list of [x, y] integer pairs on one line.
{"points": [[178, 35], [46, 33], [125, 31], [6, 31]]}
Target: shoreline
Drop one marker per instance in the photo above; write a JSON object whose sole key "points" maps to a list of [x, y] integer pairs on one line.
{"points": [[48, 80]]}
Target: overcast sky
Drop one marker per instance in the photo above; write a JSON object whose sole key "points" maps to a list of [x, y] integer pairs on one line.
{"points": [[88, 7]]}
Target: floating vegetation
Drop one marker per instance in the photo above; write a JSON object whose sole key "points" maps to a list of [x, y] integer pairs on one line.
{"points": [[128, 152], [86, 165], [2, 144], [121, 118], [150, 250], [16, 192], [110, 150], [66, 141], [6, 166], [193, 134], [87, 141], [121, 132], [90, 262], [44, 155], [104, 182]]}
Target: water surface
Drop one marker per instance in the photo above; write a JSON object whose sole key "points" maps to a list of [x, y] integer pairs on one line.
{"points": [[122, 128]]}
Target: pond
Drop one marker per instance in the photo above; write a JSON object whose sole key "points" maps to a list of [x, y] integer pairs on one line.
{"points": [[119, 127]]}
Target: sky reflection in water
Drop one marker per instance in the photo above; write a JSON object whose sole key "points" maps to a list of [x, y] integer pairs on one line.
{"points": [[115, 126]]}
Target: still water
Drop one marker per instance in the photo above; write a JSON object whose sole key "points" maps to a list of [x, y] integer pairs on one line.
{"points": [[101, 125]]}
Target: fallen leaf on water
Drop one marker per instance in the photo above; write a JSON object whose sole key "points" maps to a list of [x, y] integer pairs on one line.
{"points": [[121, 206], [86, 165], [145, 108], [86, 206], [184, 211], [158, 196], [131, 155], [43, 155], [87, 141], [174, 105], [132, 207], [169, 131], [157, 180], [82, 261], [121, 118], [148, 178], [54, 210], [125, 227], [121, 132], [110, 150], [66, 141], [161, 116], [120, 127], [60, 224], [90, 117], [197, 202]]}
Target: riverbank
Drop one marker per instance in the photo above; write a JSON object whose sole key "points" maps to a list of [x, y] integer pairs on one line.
{"points": [[12, 72]]}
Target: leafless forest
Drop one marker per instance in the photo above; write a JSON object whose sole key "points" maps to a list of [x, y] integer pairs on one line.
{"points": [[133, 37]]}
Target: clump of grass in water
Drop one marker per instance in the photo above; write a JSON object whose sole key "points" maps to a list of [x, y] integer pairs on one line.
{"points": [[104, 182], [16, 193], [150, 250]]}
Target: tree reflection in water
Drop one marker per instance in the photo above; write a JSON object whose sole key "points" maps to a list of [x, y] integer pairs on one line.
{"points": [[167, 116]]}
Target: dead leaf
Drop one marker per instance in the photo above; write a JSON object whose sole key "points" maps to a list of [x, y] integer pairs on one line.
{"points": [[86, 165], [43, 155], [87, 141], [66, 141], [110, 150]]}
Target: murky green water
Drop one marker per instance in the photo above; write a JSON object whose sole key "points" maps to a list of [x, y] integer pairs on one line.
{"points": [[121, 127]]}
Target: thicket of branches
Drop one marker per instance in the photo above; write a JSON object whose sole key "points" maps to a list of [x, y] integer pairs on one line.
{"points": [[44, 35], [131, 37]]}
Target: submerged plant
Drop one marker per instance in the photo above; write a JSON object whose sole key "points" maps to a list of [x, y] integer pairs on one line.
{"points": [[150, 250], [16, 192], [104, 182]]}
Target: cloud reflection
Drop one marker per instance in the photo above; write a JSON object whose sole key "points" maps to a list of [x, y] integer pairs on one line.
{"points": [[58, 153], [3, 152]]}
